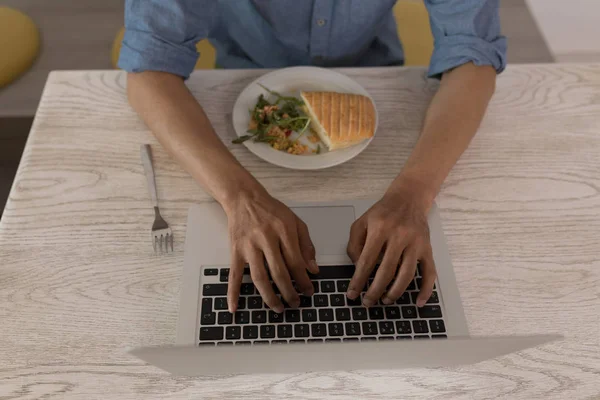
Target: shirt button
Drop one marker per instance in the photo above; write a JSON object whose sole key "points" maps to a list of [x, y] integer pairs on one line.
{"points": [[321, 22]]}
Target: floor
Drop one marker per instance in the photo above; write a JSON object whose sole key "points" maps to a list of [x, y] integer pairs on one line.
{"points": [[78, 34]]}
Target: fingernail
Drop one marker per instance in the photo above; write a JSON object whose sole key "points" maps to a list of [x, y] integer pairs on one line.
{"points": [[314, 266], [420, 303], [368, 302], [387, 301], [278, 309], [352, 294]]}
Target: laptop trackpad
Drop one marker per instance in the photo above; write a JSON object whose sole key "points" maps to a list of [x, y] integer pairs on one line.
{"points": [[329, 227]]}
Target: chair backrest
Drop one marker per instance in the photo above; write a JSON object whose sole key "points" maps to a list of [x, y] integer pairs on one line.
{"points": [[19, 44]]}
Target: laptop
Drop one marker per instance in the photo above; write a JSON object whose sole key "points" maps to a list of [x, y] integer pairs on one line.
{"points": [[328, 331]]}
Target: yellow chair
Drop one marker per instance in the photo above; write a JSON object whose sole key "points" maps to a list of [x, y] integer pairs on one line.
{"points": [[413, 29], [19, 44]]}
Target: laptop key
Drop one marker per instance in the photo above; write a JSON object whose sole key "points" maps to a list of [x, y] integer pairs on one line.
{"points": [[342, 314], [250, 332], [225, 344], [279, 341], [233, 332], [224, 277], [207, 305], [284, 331], [386, 338], [376, 313], [336, 329], [208, 319], [297, 341], [321, 300], [242, 317], [214, 289], [369, 328], [241, 303], [386, 327], [404, 337], [318, 330], [259, 317], [326, 314], [404, 299], [225, 318], [309, 315], [368, 339], [359, 314], [403, 327], [254, 302], [420, 282], [316, 286], [420, 326], [315, 340], [211, 333], [352, 328], [243, 343], [247, 289], [409, 312], [274, 317], [351, 339], [439, 336], [333, 340], [437, 326], [356, 302], [260, 342], [432, 300], [301, 330], [342, 286], [305, 301], [392, 312], [220, 303], [412, 286], [337, 300], [292, 315], [327, 286], [267, 331], [422, 337], [334, 272], [211, 272], [206, 344], [430, 312]]}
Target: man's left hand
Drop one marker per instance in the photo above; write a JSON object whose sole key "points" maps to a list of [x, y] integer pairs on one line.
{"points": [[396, 226]]}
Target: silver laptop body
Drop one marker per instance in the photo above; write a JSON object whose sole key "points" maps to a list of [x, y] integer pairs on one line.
{"points": [[326, 332]]}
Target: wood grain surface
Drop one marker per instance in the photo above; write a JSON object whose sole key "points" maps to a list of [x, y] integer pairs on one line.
{"points": [[79, 282]]}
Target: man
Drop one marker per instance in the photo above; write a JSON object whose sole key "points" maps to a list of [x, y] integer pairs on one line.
{"points": [[159, 53]]}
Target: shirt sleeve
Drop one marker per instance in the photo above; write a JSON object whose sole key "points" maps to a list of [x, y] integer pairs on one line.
{"points": [[161, 35], [465, 31]]}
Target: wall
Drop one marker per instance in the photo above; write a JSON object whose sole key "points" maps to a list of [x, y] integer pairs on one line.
{"points": [[571, 27]]}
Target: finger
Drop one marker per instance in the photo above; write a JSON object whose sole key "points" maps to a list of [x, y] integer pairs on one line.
{"points": [[358, 236], [280, 274], [429, 277], [297, 266], [306, 247], [365, 265], [405, 275], [261, 280], [236, 273], [385, 273]]}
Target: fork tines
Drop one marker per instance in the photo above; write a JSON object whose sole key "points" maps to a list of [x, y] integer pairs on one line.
{"points": [[162, 241]]}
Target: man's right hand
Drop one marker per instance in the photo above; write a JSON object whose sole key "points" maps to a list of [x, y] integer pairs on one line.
{"points": [[261, 229]]}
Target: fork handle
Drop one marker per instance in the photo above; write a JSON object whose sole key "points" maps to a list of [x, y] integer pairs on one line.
{"points": [[146, 154]]}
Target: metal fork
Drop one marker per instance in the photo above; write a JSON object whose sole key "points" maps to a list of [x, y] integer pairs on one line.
{"points": [[161, 233]]}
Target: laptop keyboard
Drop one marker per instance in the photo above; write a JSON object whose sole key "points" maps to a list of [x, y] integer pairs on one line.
{"points": [[328, 315]]}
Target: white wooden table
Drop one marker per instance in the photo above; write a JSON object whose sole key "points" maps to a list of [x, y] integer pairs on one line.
{"points": [[79, 282]]}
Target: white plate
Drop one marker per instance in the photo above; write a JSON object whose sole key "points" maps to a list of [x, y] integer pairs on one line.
{"points": [[290, 81]]}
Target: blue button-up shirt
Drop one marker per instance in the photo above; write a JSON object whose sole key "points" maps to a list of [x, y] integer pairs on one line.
{"points": [[161, 35]]}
